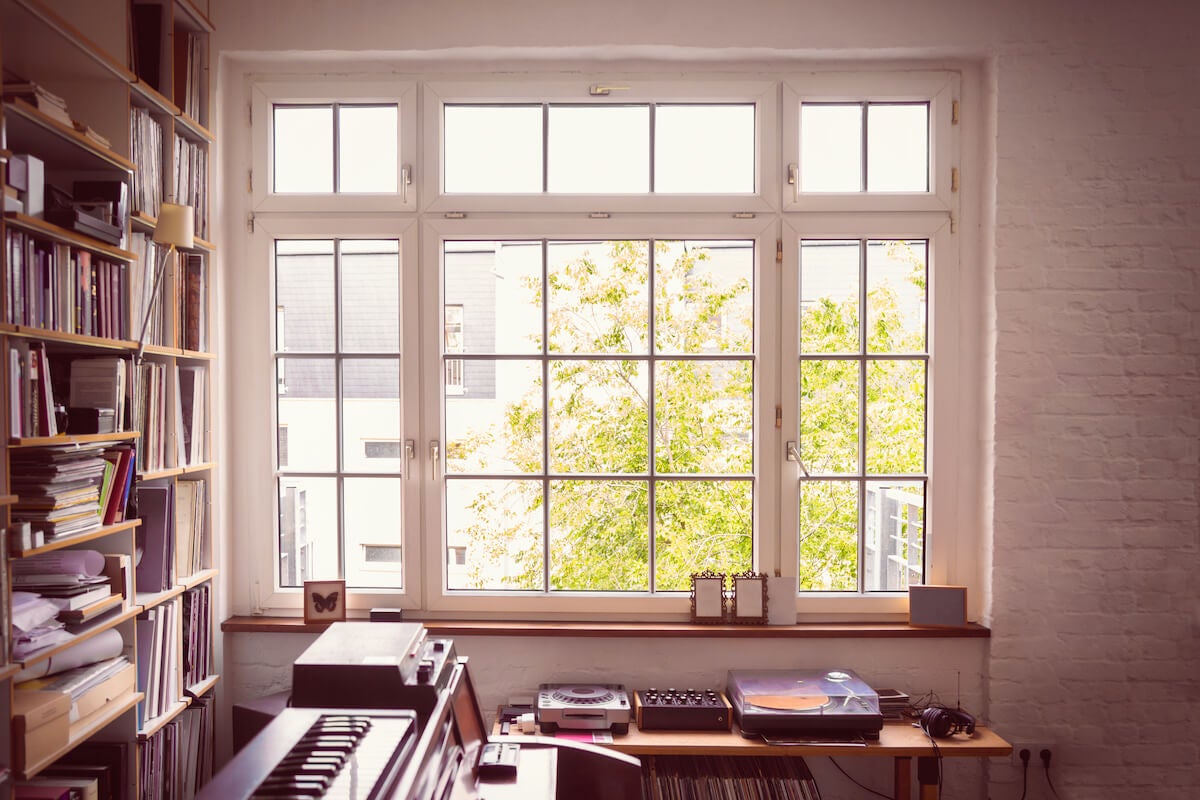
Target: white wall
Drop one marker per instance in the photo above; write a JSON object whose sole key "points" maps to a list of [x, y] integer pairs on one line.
{"points": [[1090, 231]]}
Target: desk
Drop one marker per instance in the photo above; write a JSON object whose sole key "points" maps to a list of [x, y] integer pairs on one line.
{"points": [[899, 741]]}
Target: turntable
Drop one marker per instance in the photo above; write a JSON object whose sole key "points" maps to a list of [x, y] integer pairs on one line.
{"points": [[590, 707], [784, 703]]}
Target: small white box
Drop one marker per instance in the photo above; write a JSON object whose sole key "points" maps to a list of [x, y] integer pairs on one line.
{"points": [[35, 184]]}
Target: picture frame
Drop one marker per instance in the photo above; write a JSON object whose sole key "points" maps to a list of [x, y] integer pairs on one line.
{"points": [[749, 598], [324, 601], [708, 597]]}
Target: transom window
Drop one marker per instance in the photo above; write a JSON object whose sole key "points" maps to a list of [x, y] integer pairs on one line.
{"points": [[334, 148], [599, 148]]}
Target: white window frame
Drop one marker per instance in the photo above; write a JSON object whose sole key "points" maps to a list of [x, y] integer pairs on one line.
{"points": [[944, 517], [325, 90], [940, 89], [424, 217], [598, 605], [763, 94], [259, 349]]}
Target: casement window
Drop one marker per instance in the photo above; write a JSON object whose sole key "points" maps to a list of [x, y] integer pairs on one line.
{"points": [[610, 335]]}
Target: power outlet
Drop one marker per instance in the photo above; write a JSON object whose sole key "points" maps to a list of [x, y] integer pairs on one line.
{"points": [[1035, 749]]}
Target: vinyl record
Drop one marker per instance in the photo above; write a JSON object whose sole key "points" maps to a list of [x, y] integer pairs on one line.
{"points": [[788, 702]]}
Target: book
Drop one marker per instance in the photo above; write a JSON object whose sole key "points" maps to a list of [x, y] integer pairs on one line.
{"points": [[78, 616], [155, 537], [73, 600]]}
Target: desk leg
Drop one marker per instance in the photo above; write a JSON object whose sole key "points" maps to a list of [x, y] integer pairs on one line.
{"points": [[929, 771], [902, 777]]}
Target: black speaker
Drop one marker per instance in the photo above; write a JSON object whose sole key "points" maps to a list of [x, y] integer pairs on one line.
{"points": [[942, 723]]}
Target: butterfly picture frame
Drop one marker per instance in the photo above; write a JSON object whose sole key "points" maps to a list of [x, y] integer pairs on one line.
{"points": [[324, 601]]}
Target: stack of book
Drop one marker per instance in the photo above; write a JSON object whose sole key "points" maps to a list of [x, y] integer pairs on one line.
{"points": [[58, 488], [72, 580], [40, 98]]}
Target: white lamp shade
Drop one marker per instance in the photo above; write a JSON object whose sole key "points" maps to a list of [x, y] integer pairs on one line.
{"points": [[175, 225]]}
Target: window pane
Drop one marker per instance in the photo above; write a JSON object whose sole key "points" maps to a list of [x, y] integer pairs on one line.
{"points": [[493, 149], [495, 424], [829, 297], [373, 523], [304, 296], [704, 297], [599, 536], [704, 149], [701, 525], [499, 523], [370, 271], [367, 145], [894, 527], [704, 417], [829, 398], [896, 304], [308, 412], [598, 297], [599, 149], [898, 147], [303, 149], [831, 148], [598, 417], [370, 411], [308, 525], [895, 417], [498, 287], [828, 536]]}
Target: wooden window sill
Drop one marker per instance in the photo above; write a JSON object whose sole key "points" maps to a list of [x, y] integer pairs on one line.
{"points": [[636, 630]]}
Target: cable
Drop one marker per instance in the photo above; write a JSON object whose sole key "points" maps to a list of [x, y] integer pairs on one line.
{"points": [[1024, 754], [1045, 755], [856, 783]]}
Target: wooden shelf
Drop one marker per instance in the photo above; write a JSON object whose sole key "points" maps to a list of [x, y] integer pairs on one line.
{"points": [[59, 234], [631, 630], [148, 600], [66, 440], [69, 340], [71, 541], [197, 578], [153, 726], [203, 687], [190, 129], [29, 130]]}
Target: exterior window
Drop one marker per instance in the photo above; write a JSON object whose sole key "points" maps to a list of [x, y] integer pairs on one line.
{"points": [[873, 147], [343, 386], [863, 388], [454, 344], [609, 338], [334, 148], [610, 445], [635, 148]]}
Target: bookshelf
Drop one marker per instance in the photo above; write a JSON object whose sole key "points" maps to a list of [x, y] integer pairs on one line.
{"points": [[114, 114]]}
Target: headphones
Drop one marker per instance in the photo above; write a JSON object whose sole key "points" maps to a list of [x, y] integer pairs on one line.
{"points": [[941, 723]]}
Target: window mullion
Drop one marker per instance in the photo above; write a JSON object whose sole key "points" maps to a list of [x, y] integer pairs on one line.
{"points": [[862, 406]]}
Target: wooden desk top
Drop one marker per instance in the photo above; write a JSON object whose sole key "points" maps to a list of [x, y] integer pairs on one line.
{"points": [[897, 739]]}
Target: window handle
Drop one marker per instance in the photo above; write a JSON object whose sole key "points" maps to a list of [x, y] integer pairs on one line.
{"points": [[793, 454], [410, 452], [405, 180], [793, 178], [435, 453]]}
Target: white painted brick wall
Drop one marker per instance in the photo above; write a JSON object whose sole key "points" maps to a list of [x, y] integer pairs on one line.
{"points": [[1095, 240]]}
